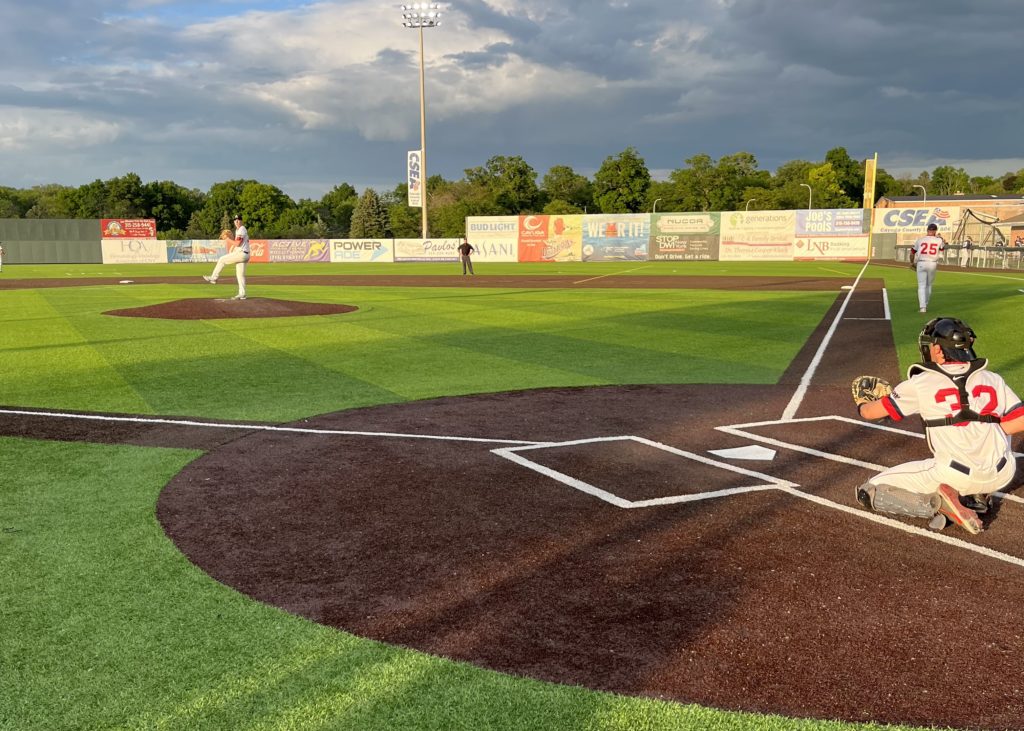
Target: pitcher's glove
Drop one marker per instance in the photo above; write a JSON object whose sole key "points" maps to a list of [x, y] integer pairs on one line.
{"points": [[869, 388], [226, 235]]}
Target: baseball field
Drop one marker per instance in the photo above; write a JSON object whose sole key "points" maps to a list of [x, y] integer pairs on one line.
{"points": [[538, 498]]}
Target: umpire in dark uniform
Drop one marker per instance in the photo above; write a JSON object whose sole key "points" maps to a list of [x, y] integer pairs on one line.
{"points": [[465, 249]]}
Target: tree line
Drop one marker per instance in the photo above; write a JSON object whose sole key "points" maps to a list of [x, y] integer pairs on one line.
{"points": [[504, 185]]}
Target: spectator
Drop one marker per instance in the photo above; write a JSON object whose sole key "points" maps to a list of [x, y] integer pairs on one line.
{"points": [[966, 251]]}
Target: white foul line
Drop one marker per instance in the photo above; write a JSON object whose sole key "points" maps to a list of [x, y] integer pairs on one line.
{"points": [[801, 391], [261, 427], [645, 266]]}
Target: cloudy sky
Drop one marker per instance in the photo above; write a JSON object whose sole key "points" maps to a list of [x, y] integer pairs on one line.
{"points": [[306, 96]]}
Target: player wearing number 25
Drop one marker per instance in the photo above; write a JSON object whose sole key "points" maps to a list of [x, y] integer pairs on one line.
{"points": [[969, 413], [924, 257]]}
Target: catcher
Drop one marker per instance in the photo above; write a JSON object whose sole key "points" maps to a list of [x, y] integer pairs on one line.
{"points": [[238, 254], [969, 414]]}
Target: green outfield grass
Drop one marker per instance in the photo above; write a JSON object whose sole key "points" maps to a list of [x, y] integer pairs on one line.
{"points": [[105, 625]]}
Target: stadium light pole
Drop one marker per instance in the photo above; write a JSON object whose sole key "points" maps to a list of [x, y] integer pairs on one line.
{"points": [[654, 208], [924, 193], [420, 16], [749, 202], [810, 195]]}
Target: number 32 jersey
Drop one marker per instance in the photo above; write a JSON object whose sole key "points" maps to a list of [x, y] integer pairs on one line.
{"points": [[934, 395]]}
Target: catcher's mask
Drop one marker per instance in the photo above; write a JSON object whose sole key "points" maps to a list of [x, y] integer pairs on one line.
{"points": [[955, 337]]}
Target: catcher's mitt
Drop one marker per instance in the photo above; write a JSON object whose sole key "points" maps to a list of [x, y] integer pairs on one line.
{"points": [[226, 235], [869, 388]]}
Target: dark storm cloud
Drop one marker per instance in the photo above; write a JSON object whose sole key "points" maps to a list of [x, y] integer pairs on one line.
{"points": [[312, 95]]}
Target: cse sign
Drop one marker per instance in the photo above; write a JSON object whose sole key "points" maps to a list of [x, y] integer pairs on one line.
{"points": [[415, 166]]}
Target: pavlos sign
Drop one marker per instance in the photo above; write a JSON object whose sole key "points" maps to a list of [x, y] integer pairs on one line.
{"points": [[414, 168]]}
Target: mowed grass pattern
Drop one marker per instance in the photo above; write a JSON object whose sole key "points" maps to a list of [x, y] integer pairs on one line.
{"points": [[105, 625]]}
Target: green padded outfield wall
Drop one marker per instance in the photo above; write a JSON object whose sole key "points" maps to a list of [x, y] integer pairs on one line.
{"points": [[51, 240]]}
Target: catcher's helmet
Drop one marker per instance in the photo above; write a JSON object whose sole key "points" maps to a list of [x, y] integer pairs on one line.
{"points": [[955, 337]]}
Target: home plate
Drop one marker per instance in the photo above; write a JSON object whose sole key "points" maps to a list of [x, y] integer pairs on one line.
{"points": [[753, 452]]}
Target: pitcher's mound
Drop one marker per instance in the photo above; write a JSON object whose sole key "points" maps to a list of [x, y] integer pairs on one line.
{"points": [[206, 308]]}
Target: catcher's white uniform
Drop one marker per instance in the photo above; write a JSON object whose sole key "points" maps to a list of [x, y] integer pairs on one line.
{"points": [[972, 457], [926, 252]]}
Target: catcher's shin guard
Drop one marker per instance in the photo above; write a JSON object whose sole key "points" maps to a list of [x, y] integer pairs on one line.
{"points": [[896, 501]]}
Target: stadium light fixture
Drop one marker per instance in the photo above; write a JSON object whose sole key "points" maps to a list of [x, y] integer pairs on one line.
{"points": [[810, 195], [749, 202], [420, 16], [924, 193]]}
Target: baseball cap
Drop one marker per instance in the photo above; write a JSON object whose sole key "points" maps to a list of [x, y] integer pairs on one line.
{"points": [[238, 217], [933, 227]]}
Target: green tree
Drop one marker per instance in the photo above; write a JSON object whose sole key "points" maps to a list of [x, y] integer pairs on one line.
{"points": [[125, 198], [621, 183], [222, 202], [828, 193], [562, 183], [848, 172], [370, 219], [336, 208], [509, 182], [262, 205], [947, 180], [172, 206], [403, 221]]}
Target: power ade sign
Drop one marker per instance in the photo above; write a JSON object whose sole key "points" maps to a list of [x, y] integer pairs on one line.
{"points": [[362, 251]]}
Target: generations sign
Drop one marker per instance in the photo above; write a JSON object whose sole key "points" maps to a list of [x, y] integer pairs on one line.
{"points": [[757, 236], [684, 236], [616, 237], [363, 251]]}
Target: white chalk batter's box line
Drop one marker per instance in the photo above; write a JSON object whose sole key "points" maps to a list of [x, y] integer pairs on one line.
{"points": [[514, 454]]}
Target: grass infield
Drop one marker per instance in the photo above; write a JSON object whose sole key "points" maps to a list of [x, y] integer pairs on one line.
{"points": [[106, 626]]}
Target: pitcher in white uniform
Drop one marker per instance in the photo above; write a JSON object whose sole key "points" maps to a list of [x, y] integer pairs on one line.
{"points": [[969, 413], [237, 255], [924, 258]]}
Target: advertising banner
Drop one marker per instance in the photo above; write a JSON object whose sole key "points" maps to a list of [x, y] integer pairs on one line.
{"points": [[362, 251], [757, 236], [127, 228], [296, 250], [427, 249], [133, 251], [413, 167], [684, 236], [832, 233], [550, 238], [499, 229], [195, 250], [259, 250], [616, 236], [915, 221]]}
